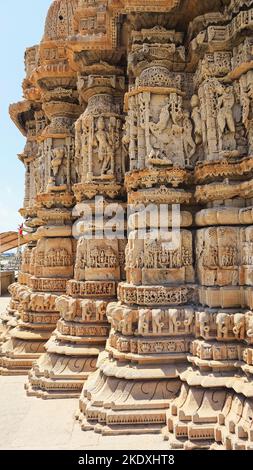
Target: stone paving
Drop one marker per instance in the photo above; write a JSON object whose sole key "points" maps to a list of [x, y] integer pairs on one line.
{"points": [[32, 423]]}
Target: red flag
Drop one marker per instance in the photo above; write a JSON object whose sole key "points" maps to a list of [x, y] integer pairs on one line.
{"points": [[20, 230]]}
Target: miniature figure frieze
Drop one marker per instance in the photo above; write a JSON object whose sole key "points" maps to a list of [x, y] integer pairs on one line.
{"points": [[97, 259], [224, 256], [159, 260]]}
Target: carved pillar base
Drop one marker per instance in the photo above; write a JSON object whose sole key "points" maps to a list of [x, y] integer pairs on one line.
{"points": [[193, 417], [10, 319], [27, 335], [58, 375], [9, 322], [210, 418], [20, 351], [72, 351], [123, 398], [25, 340]]}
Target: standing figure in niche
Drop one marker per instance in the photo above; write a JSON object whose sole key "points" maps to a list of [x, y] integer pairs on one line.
{"points": [[225, 117], [246, 101], [78, 147], [196, 117], [105, 151], [127, 146], [114, 132], [74, 170], [114, 138], [84, 140], [126, 136], [130, 137], [39, 171], [58, 164], [160, 131], [188, 142], [158, 128]]}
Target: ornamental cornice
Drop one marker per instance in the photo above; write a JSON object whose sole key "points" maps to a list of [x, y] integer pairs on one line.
{"points": [[149, 177], [160, 195], [52, 71], [206, 171], [143, 5], [84, 191], [19, 113]]}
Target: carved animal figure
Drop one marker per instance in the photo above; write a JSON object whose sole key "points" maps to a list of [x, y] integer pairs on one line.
{"points": [[143, 321], [138, 56], [157, 324], [129, 316], [100, 310], [204, 323], [62, 305], [175, 321], [37, 302], [114, 314], [49, 302], [25, 297], [188, 319], [249, 323], [222, 322], [87, 308], [24, 301], [239, 325], [72, 308]]}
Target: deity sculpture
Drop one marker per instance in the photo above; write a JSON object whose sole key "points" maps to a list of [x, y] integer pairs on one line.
{"points": [[104, 147], [59, 165], [225, 117]]}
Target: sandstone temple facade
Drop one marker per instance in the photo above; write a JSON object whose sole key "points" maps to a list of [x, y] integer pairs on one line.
{"points": [[138, 103]]}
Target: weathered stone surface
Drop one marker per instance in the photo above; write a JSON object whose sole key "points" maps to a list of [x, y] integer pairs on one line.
{"points": [[155, 99]]}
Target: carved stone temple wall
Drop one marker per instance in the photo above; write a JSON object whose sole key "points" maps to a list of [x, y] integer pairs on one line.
{"points": [[214, 408], [81, 333], [148, 103]]}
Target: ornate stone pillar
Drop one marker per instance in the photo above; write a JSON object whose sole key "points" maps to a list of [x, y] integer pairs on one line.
{"points": [[81, 333], [23, 115], [53, 255], [152, 322], [13, 349]]}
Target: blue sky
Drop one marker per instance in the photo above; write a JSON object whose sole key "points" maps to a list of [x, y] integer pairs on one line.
{"points": [[22, 25]]}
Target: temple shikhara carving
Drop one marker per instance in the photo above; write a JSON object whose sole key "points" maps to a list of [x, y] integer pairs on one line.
{"points": [[144, 104]]}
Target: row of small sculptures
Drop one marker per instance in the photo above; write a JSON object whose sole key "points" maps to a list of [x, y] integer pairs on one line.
{"points": [[128, 320], [175, 321]]}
